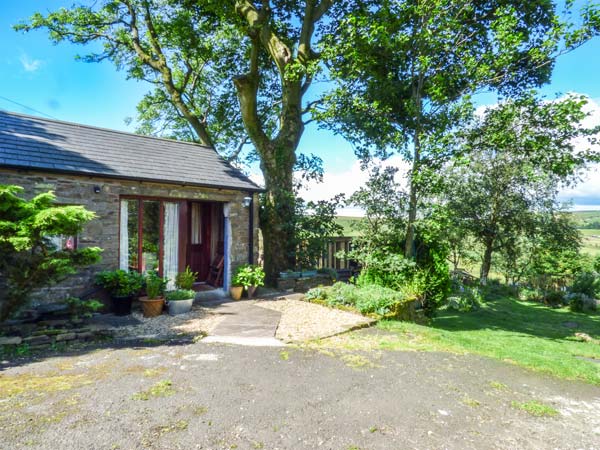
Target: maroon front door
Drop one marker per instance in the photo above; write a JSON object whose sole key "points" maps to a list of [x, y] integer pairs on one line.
{"points": [[199, 239]]}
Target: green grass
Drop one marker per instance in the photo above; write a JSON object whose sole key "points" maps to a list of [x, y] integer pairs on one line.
{"points": [[348, 224], [535, 408], [527, 334], [591, 241]]}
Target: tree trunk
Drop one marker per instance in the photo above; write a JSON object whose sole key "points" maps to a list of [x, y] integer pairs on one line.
{"points": [[409, 246], [277, 219], [486, 264], [277, 153], [278, 158]]}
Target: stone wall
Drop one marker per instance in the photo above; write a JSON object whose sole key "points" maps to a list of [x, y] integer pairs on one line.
{"points": [[103, 231], [303, 284]]}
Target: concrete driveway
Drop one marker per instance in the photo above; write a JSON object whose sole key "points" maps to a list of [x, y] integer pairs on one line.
{"points": [[219, 396]]}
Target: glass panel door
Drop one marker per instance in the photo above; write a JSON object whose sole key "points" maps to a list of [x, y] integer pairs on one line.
{"points": [[132, 235], [150, 235]]}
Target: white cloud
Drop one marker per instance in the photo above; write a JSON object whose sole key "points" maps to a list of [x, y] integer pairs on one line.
{"points": [[29, 64], [343, 182], [586, 194]]}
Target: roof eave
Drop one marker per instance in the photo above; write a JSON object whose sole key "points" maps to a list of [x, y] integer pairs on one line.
{"points": [[128, 178]]}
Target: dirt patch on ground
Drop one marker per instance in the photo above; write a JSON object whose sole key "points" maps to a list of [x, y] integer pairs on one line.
{"points": [[301, 321]]}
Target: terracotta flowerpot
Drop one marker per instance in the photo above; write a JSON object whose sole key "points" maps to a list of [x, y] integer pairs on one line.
{"points": [[236, 292], [252, 291], [152, 307]]}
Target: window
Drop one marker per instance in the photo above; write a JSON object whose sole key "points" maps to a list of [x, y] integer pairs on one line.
{"points": [[150, 235], [149, 231], [62, 242]]}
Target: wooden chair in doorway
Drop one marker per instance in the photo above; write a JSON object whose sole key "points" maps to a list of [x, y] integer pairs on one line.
{"points": [[215, 272]]}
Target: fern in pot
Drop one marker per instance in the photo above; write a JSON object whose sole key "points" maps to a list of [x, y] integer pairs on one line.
{"points": [[180, 301]]}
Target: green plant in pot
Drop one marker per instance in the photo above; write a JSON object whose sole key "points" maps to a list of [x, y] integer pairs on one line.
{"points": [[153, 302], [186, 279], [250, 277], [122, 286], [180, 301]]}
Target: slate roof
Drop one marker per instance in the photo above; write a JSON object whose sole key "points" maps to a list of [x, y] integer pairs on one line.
{"points": [[34, 143]]}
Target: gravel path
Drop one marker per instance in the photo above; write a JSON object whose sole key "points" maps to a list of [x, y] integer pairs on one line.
{"points": [[301, 320], [199, 321]]}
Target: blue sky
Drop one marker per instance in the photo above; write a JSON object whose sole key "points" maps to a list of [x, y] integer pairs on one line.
{"points": [[47, 78]]}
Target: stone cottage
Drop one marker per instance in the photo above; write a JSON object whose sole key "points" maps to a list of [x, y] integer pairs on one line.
{"points": [[160, 204]]}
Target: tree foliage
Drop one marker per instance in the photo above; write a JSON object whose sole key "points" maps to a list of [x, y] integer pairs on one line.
{"points": [[315, 226], [405, 72], [29, 259], [515, 158]]}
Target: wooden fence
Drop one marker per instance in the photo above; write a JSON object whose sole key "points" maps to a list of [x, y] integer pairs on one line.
{"points": [[335, 245]]}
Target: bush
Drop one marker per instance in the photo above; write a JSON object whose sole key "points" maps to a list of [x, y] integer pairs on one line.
{"points": [[579, 302], [370, 299], [318, 293], [585, 283], [468, 299], [120, 283], [82, 308], [186, 279], [530, 295], [180, 294], [29, 260], [428, 278], [389, 270], [554, 298]]}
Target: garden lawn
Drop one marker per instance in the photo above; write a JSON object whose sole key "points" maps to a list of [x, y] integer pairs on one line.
{"points": [[523, 333]]}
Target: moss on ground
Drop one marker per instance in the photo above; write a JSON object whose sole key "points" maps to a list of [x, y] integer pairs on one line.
{"points": [[163, 388], [535, 408]]}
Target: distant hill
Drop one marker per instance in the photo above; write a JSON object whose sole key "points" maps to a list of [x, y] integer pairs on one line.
{"points": [[587, 219], [588, 223], [349, 223]]}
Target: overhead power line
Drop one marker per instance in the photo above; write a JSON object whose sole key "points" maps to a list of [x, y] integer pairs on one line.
{"points": [[27, 107]]}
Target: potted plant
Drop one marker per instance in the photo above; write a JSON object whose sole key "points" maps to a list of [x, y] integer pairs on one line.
{"points": [[122, 286], [257, 278], [248, 276], [237, 284], [186, 279], [180, 301], [152, 303]]}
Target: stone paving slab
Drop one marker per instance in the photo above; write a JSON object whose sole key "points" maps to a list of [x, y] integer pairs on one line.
{"points": [[246, 320], [249, 341]]}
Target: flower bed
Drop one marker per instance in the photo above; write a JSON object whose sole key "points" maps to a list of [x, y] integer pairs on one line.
{"points": [[373, 301]]}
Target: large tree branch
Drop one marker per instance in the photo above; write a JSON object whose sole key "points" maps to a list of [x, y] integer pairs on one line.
{"points": [[159, 64], [258, 20], [247, 89]]}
